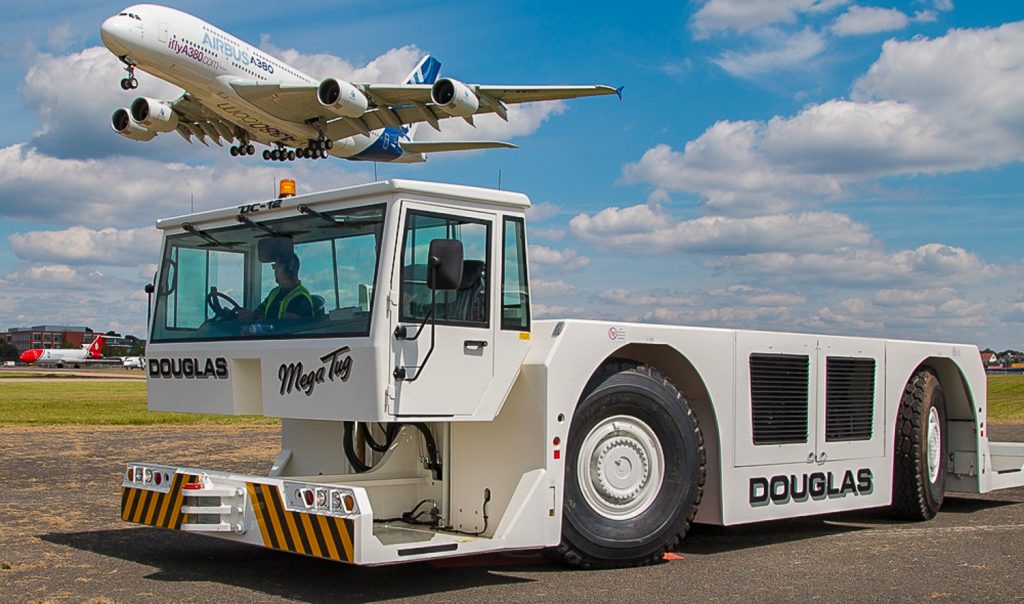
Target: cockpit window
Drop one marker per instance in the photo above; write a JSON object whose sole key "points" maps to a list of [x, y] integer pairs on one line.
{"points": [[306, 276]]}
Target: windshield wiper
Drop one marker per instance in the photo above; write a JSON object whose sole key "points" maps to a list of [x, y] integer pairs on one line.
{"points": [[338, 220], [210, 239], [269, 230]]}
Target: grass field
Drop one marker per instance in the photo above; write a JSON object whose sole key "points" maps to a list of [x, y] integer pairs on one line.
{"points": [[1006, 398], [48, 402]]}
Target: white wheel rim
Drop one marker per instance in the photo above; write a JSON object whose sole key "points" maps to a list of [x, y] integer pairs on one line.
{"points": [[620, 467], [934, 444]]}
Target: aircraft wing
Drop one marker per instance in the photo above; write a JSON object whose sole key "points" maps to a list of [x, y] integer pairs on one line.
{"points": [[194, 119], [290, 102], [399, 94], [436, 146], [393, 104]]}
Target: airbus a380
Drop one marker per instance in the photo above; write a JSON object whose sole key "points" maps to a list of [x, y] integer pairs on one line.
{"points": [[238, 93]]}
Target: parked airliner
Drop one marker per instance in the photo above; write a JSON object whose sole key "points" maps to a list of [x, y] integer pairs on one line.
{"points": [[238, 93], [61, 356]]}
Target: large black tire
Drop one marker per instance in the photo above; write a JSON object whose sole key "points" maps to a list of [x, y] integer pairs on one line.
{"points": [[634, 470], [919, 468]]}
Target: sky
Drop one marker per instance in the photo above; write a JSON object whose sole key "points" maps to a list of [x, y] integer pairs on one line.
{"points": [[819, 166]]}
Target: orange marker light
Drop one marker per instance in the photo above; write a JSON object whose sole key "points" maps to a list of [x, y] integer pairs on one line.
{"points": [[286, 188]]}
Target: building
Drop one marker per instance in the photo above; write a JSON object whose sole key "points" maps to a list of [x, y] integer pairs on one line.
{"points": [[48, 336]]}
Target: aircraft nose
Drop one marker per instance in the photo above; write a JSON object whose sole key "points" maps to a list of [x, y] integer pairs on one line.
{"points": [[113, 32], [30, 356]]}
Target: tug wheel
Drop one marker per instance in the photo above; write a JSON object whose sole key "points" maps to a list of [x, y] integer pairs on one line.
{"points": [[634, 470], [919, 468]]}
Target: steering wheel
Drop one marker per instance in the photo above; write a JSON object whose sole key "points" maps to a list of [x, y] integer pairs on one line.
{"points": [[221, 313]]}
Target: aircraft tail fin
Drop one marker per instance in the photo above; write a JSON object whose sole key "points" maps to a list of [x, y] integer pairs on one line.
{"points": [[96, 347], [425, 72]]}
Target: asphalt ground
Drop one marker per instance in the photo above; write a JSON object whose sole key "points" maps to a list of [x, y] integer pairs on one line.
{"points": [[62, 540]]}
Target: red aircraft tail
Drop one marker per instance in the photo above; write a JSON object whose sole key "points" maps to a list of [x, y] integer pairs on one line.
{"points": [[95, 348]]}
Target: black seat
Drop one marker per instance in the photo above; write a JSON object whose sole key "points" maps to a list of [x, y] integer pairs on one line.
{"points": [[318, 306], [471, 297]]}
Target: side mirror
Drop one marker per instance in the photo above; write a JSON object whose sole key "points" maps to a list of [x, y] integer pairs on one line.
{"points": [[444, 270], [273, 248]]}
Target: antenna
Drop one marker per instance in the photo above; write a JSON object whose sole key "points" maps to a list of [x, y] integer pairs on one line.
{"points": [[192, 203]]}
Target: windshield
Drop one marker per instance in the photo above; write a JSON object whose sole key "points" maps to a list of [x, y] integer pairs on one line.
{"points": [[306, 276]]}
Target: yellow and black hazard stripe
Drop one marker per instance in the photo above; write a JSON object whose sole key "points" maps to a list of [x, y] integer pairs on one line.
{"points": [[310, 534], [154, 508]]}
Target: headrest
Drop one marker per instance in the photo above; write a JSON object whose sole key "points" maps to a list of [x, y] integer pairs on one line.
{"points": [[472, 273]]}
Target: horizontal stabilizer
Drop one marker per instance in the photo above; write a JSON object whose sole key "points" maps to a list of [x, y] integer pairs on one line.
{"points": [[436, 146]]}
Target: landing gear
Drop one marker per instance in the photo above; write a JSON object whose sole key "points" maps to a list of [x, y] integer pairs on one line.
{"points": [[315, 150], [243, 149], [130, 82]]}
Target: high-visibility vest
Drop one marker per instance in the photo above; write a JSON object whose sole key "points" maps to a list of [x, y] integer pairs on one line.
{"points": [[298, 290]]}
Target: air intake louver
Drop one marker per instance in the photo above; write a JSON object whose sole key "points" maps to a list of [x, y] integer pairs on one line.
{"points": [[778, 398], [849, 398]]}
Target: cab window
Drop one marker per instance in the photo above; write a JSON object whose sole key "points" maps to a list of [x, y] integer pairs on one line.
{"points": [[467, 305]]}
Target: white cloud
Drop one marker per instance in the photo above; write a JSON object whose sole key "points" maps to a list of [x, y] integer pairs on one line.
{"points": [[851, 267], [130, 191], [74, 95], [81, 245], [925, 106], [32, 294], [565, 260], [925, 16], [719, 16], [542, 287], [539, 212], [545, 311], [647, 229], [861, 20], [389, 68], [626, 297], [550, 234], [780, 51], [522, 120]]}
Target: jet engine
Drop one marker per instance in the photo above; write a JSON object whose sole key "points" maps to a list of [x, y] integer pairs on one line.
{"points": [[342, 98], [122, 124], [153, 114], [454, 97]]}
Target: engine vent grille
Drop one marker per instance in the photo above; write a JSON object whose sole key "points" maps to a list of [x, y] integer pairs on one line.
{"points": [[849, 398], [778, 398]]}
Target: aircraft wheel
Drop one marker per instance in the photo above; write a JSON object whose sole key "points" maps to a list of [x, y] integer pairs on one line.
{"points": [[233, 151], [125, 85], [919, 472], [634, 470], [250, 150], [275, 155], [133, 83], [324, 154], [329, 144], [291, 155], [266, 154]]}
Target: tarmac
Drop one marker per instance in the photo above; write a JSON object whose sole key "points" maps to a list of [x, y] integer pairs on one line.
{"points": [[62, 540]]}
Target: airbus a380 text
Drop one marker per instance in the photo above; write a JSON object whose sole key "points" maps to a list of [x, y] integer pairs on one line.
{"points": [[238, 93]]}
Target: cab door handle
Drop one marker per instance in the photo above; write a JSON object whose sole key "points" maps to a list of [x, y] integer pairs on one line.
{"points": [[475, 343]]}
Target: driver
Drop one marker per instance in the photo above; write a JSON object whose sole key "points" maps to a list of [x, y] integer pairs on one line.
{"points": [[289, 300]]}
